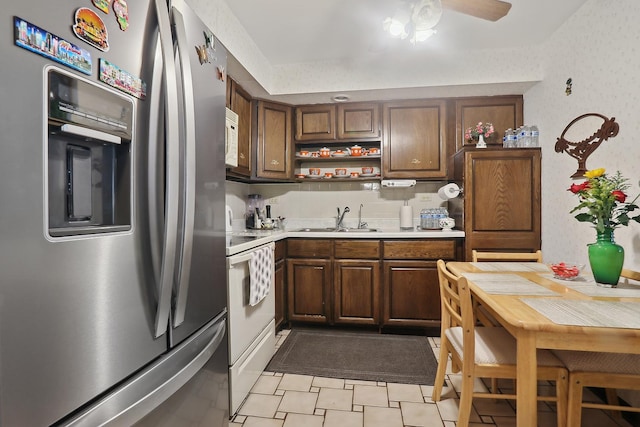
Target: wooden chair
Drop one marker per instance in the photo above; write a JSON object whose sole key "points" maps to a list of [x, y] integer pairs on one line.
{"points": [[477, 256], [607, 370], [483, 352], [630, 274]]}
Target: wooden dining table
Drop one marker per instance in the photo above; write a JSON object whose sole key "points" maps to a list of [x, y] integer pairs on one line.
{"points": [[543, 312]]}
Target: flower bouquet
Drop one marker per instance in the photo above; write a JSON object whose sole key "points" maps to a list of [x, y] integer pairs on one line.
{"points": [[478, 133], [604, 198]]}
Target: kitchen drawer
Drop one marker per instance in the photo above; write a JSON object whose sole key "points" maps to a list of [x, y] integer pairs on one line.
{"points": [[309, 248], [357, 249], [419, 249]]}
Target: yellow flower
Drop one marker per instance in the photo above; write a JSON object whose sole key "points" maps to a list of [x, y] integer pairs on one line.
{"points": [[594, 173]]}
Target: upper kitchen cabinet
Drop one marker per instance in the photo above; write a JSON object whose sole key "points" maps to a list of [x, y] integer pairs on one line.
{"points": [[503, 112], [500, 210], [274, 155], [331, 122], [240, 102], [359, 121], [414, 138]]}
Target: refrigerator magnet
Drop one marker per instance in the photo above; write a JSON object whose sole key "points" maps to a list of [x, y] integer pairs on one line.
{"points": [[90, 28], [203, 55], [44, 43], [103, 5], [121, 10], [122, 80]]}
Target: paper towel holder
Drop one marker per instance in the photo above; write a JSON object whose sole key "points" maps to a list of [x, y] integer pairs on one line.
{"points": [[450, 191]]}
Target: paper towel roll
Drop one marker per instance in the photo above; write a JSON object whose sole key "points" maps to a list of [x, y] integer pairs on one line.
{"points": [[449, 191], [406, 217]]}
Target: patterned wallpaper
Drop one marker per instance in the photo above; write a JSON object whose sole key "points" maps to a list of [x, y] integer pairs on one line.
{"points": [[598, 49]]}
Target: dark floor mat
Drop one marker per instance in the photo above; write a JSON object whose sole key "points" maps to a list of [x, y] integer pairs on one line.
{"points": [[406, 359]]}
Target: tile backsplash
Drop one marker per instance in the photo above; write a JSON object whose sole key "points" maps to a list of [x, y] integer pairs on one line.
{"points": [[301, 203]]}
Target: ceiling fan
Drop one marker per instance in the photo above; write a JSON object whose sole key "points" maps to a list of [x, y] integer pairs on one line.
{"points": [[419, 17]]}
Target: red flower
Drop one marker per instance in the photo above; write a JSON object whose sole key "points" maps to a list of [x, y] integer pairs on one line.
{"points": [[576, 188], [619, 195]]}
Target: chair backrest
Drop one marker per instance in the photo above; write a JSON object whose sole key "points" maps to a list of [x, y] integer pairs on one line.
{"points": [[506, 256], [457, 309], [630, 274]]}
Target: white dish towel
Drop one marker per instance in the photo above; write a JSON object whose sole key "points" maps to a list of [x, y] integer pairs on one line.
{"points": [[261, 274]]}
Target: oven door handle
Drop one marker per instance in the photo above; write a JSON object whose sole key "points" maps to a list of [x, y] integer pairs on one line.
{"points": [[235, 260]]}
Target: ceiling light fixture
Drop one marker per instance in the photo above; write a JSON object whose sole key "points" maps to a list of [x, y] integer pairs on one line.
{"points": [[340, 98], [416, 19]]}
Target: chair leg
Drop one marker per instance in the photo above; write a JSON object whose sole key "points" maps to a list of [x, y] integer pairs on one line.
{"points": [[562, 382], [574, 402], [612, 399], [440, 373], [466, 397]]}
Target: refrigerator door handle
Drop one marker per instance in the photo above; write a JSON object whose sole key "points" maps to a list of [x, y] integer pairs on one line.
{"points": [[156, 383], [172, 155], [190, 169]]}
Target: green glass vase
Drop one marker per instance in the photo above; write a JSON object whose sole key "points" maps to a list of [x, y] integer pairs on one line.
{"points": [[606, 258]]}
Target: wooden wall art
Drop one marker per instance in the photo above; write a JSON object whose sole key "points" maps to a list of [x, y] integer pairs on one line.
{"points": [[582, 149]]}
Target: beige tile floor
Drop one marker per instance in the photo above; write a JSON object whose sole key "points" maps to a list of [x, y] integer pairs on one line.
{"points": [[287, 400]]}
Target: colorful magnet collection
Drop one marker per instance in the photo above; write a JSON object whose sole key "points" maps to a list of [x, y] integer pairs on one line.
{"points": [[89, 27], [42, 42], [120, 79]]}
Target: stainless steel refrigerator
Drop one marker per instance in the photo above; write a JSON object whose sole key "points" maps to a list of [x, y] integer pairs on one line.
{"points": [[112, 237]]}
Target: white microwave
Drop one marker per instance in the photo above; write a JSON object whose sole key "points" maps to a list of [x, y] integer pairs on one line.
{"points": [[231, 139]]}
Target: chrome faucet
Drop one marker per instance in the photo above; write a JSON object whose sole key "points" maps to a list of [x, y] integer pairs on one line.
{"points": [[360, 223], [340, 217]]}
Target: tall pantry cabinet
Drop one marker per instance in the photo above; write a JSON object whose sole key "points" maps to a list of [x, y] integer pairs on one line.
{"points": [[500, 209]]}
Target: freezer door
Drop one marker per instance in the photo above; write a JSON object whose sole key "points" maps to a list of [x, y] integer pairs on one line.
{"points": [[200, 291], [77, 314]]}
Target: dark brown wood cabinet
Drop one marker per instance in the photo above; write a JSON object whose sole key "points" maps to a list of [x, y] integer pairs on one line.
{"points": [[371, 282], [274, 150], [414, 139], [410, 280], [330, 122], [241, 103], [309, 280], [358, 121], [356, 285], [503, 112], [281, 283], [500, 210], [316, 122]]}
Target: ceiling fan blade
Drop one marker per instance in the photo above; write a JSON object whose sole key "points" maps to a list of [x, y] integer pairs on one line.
{"points": [[491, 10]]}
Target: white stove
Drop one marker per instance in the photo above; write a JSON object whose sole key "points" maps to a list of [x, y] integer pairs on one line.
{"points": [[251, 328]]}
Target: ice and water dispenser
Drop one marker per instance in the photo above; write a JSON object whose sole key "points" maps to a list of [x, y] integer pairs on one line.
{"points": [[89, 158]]}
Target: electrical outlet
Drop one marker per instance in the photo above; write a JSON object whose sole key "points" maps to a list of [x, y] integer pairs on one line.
{"points": [[425, 197], [274, 201]]}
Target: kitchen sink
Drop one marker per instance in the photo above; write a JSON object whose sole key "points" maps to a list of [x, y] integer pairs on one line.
{"points": [[342, 230]]}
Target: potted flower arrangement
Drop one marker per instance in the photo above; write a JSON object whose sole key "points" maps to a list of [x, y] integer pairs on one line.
{"points": [[604, 198], [478, 133]]}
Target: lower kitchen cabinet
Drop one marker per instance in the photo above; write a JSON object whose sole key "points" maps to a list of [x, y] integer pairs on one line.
{"points": [[309, 289], [356, 292], [281, 283], [410, 280], [366, 282], [309, 280], [412, 294]]}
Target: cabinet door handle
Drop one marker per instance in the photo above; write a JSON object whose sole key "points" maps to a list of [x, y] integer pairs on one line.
{"points": [[275, 162], [415, 161]]}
